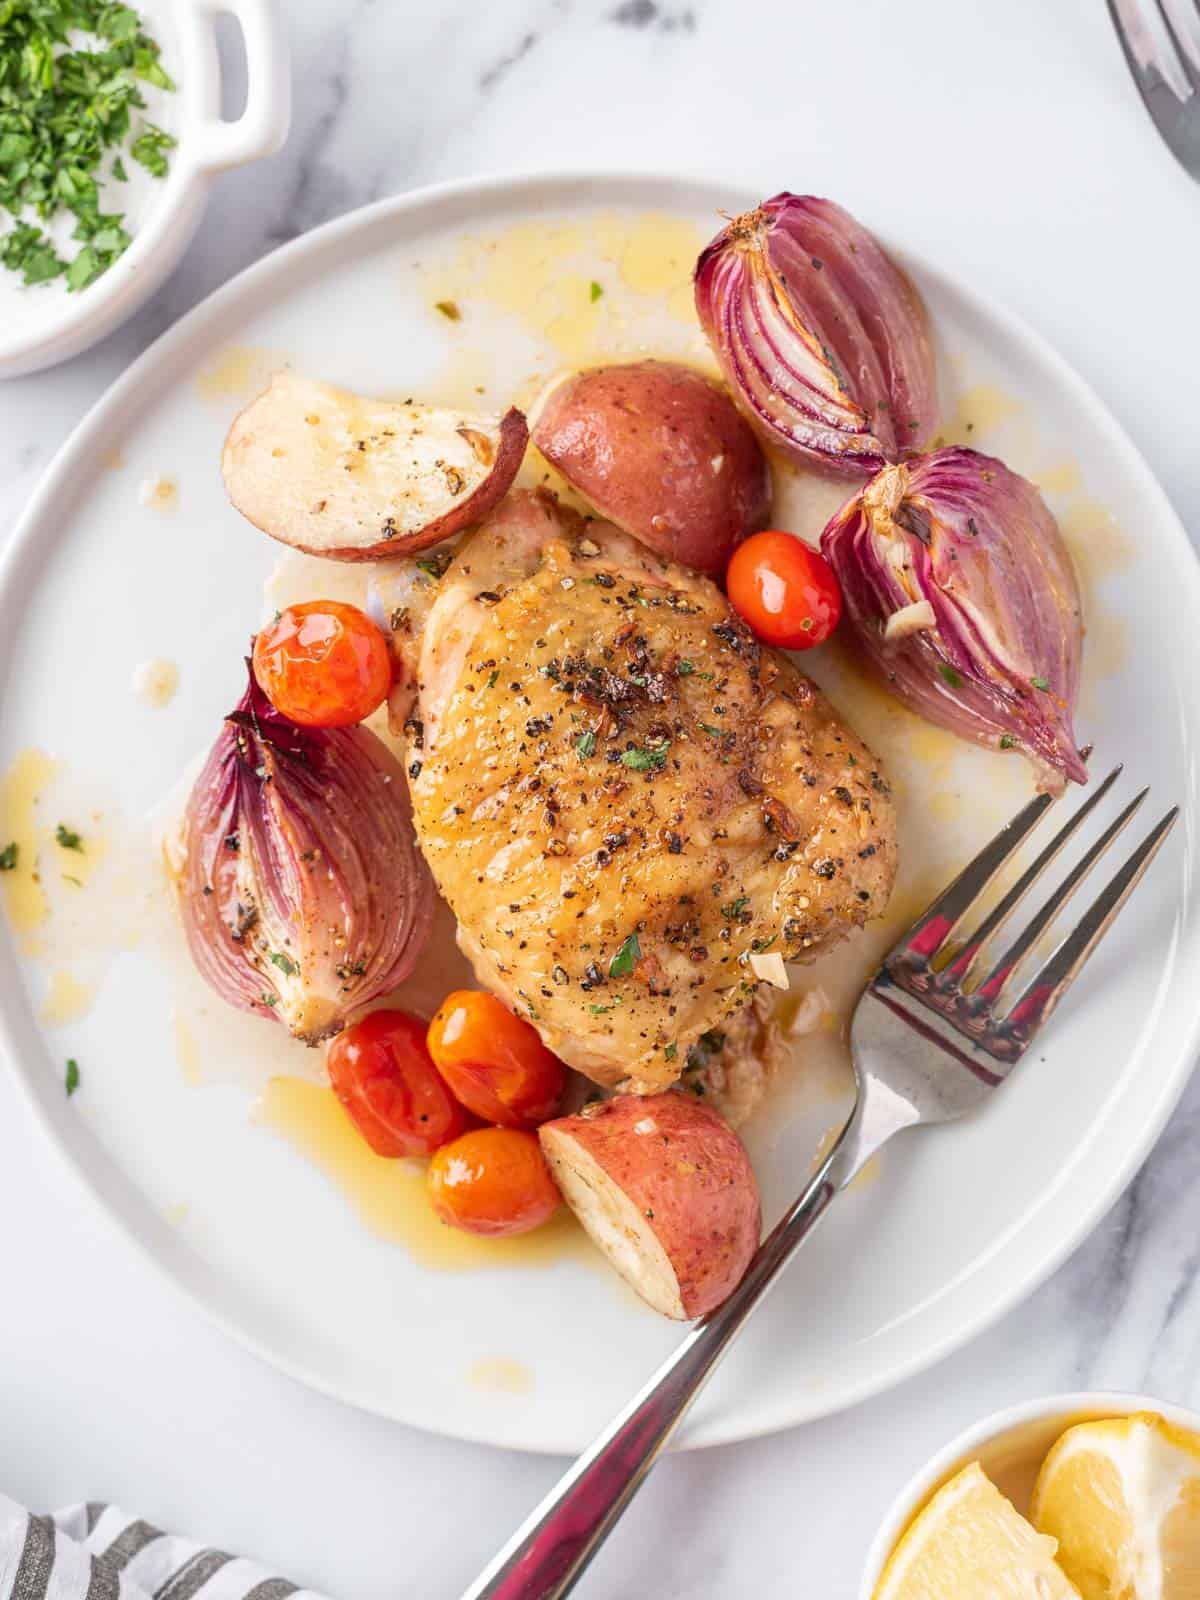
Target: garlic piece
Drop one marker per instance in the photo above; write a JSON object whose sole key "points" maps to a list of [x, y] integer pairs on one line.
{"points": [[770, 968]]}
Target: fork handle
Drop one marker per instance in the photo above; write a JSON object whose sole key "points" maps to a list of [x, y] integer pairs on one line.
{"points": [[547, 1555]]}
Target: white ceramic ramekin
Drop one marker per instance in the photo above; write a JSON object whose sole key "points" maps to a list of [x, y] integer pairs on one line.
{"points": [[1010, 1445], [207, 146]]}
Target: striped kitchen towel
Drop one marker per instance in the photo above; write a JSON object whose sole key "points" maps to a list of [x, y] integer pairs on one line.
{"points": [[98, 1552]]}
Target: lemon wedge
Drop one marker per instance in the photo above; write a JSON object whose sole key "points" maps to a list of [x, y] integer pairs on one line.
{"points": [[1122, 1497], [970, 1543]]}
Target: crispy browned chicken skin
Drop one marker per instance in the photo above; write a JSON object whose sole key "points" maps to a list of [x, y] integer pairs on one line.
{"points": [[622, 794]]}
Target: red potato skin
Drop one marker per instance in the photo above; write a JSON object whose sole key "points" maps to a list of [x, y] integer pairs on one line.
{"points": [[690, 1178], [638, 442], [510, 452]]}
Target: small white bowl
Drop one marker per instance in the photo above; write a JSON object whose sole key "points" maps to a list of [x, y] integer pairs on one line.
{"points": [[37, 332], [1010, 1445]]}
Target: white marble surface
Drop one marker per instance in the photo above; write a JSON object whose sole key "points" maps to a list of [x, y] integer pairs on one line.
{"points": [[1002, 139]]}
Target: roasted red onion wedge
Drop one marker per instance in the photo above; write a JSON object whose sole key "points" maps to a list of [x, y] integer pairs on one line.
{"points": [[960, 594], [821, 338], [335, 474], [302, 890]]}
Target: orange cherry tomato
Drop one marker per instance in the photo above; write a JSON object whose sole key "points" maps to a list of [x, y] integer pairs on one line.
{"points": [[494, 1181], [323, 664], [784, 589], [394, 1095], [495, 1063]]}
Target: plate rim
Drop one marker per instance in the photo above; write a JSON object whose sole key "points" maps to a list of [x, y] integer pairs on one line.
{"points": [[126, 1206]]}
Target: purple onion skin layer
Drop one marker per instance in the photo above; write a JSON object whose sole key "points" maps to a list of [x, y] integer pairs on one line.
{"points": [[975, 540], [303, 893], [821, 338]]}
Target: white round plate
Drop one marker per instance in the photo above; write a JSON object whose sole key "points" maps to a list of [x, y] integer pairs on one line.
{"points": [[954, 1227]]}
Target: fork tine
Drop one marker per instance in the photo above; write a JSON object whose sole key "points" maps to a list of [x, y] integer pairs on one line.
{"points": [[956, 971], [1149, 49], [1001, 973], [929, 932], [1056, 977], [1183, 24]]}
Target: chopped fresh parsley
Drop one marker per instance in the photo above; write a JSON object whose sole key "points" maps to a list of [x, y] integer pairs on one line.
{"points": [[626, 957], [8, 857], [684, 668], [596, 291], [72, 1080], [671, 1050], [953, 678], [150, 148], [1006, 741], [586, 744], [68, 838], [1040, 683], [652, 759], [736, 909], [492, 676], [70, 82], [434, 566], [284, 962]]}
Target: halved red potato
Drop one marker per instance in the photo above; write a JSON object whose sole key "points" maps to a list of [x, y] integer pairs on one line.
{"points": [[334, 474], [665, 1188], [660, 451]]}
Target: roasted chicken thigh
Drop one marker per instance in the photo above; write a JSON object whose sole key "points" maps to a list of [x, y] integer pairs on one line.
{"points": [[624, 797]]}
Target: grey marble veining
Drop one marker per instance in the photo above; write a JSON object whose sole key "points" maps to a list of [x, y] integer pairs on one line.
{"points": [[1003, 140]]}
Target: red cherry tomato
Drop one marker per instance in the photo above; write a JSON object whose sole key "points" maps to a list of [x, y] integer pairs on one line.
{"points": [[323, 664], [394, 1095], [495, 1063], [493, 1181], [784, 589]]}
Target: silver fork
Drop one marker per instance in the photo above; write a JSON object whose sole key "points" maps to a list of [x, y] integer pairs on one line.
{"points": [[1161, 41], [929, 1045]]}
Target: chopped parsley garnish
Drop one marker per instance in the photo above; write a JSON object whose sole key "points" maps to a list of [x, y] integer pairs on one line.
{"points": [[1040, 683], [70, 80], [586, 744], [284, 962], [1006, 741], [492, 676], [68, 838], [596, 291], [707, 727], [150, 148], [735, 910], [684, 668], [8, 857], [626, 957], [953, 678], [434, 566], [671, 1050], [652, 759], [72, 1081]]}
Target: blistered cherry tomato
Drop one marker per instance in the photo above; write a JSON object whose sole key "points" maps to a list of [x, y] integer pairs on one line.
{"points": [[396, 1098], [323, 664], [494, 1181], [495, 1063], [784, 589]]}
